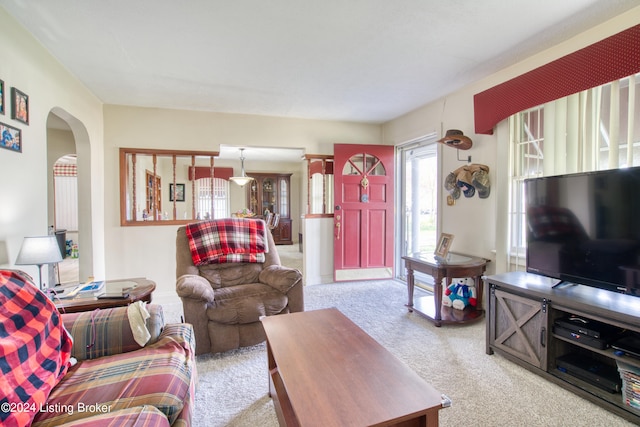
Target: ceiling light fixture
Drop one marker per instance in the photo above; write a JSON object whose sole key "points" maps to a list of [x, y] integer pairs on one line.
{"points": [[243, 179]]}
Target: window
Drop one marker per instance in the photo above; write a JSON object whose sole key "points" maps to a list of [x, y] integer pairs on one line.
{"points": [[65, 186], [528, 149], [592, 130], [212, 192], [418, 194]]}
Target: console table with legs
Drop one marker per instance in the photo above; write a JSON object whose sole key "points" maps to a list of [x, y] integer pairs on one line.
{"points": [[453, 266]]}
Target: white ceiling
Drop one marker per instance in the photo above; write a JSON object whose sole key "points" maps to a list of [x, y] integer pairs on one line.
{"points": [[349, 60]]}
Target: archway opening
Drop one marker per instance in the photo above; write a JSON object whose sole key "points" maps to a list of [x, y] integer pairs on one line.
{"points": [[69, 194]]}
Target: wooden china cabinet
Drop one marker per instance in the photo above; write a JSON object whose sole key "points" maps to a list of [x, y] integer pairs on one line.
{"points": [[272, 192]]}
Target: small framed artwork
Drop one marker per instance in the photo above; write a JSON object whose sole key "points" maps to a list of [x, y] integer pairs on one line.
{"points": [[1, 97], [444, 244], [19, 106], [11, 138], [178, 194]]}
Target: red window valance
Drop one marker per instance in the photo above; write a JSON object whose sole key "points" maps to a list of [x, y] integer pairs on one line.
{"points": [[610, 59], [205, 172]]}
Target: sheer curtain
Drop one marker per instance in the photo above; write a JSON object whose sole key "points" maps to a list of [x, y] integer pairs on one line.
{"points": [[591, 130], [212, 197], [65, 183], [66, 194]]}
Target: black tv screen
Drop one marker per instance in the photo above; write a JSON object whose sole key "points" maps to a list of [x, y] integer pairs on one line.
{"points": [[585, 228]]}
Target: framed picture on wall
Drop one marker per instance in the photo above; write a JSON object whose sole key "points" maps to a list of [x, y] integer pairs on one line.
{"points": [[19, 106], [178, 193], [444, 244], [1, 97], [11, 138]]}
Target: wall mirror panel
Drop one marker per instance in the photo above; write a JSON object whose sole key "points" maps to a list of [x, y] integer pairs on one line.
{"points": [[161, 187], [319, 186]]}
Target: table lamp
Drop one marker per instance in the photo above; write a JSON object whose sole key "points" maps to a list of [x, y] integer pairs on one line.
{"points": [[39, 251]]}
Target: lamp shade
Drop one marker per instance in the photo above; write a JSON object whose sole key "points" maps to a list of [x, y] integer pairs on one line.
{"points": [[39, 250], [243, 178]]}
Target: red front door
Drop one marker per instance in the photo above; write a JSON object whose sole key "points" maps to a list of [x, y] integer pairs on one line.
{"points": [[363, 214]]}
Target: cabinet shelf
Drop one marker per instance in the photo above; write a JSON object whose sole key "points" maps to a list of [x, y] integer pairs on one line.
{"points": [[609, 352], [613, 398], [426, 306]]}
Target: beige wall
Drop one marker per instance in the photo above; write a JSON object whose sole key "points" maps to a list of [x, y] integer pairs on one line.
{"points": [[24, 193], [118, 252], [150, 250], [479, 225]]}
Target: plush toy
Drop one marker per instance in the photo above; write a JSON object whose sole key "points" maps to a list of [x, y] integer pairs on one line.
{"points": [[459, 295]]}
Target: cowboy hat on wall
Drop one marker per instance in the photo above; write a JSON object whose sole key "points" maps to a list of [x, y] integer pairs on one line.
{"points": [[456, 139]]}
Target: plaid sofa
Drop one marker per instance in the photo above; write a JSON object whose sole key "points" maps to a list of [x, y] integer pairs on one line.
{"points": [[116, 381]]}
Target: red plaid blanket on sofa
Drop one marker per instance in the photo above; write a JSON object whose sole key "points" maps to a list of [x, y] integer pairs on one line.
{"points": [[227, 240], [34, 349]]}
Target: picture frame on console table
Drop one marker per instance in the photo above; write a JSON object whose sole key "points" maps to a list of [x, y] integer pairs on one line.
{"points": [[10, 138], [444, 244]]}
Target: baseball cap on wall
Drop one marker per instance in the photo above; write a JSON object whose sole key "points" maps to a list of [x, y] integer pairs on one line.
{"points": [[480, 180]]}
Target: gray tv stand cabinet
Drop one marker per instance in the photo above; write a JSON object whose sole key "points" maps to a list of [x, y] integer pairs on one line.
{"points": [[521, 311]]}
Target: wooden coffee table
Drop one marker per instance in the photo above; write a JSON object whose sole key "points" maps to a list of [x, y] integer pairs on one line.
{"points": [[141, 292], [326, 371]]}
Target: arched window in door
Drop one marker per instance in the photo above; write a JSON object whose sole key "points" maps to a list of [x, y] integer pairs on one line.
{"points": [[364, 164]]}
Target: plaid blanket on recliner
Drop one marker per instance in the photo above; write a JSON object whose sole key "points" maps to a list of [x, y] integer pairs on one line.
{"points": [[227, 240], [34, 349]]}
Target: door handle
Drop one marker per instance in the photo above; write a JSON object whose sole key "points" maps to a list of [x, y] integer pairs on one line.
{"points": [[338, 225]]}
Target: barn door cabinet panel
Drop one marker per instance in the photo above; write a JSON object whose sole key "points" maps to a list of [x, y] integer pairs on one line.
{"points": [[271, 192], [521, 326]]}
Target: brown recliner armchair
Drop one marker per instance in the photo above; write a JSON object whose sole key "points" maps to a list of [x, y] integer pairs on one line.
{"points": [[224, 302]]}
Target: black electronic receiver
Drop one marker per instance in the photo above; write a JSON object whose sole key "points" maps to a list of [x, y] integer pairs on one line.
{"points": [[605, 377], [585, 339], [591, 328], [629, 344]]}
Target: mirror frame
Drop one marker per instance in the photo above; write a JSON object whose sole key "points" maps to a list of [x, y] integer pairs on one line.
{"points": [[173, 154]]}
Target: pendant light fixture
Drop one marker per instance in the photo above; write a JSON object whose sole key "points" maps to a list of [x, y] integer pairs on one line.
{"points": [[243, 179]]}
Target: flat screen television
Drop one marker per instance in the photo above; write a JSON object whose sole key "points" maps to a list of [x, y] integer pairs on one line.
{"points": [[585, 228]]}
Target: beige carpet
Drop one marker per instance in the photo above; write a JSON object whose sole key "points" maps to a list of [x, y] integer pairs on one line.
{"points": [[290, 256], [486, 390]]}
